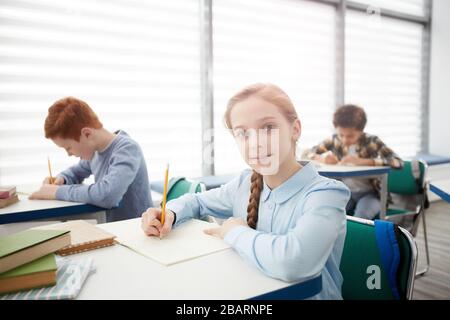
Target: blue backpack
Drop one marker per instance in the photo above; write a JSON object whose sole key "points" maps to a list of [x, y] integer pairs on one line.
{"points": [[387, 236]]}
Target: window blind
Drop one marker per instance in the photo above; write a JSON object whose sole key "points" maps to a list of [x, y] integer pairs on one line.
{"points": [[135, 62], [414, 7], [384, 75], [289, 43]]}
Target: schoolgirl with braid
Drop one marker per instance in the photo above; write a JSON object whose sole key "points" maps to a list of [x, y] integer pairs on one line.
{"points": [[283, 217]]}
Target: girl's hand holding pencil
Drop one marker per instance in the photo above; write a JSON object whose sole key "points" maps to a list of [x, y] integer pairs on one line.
{"points": [[151, 222], [158, 222]]}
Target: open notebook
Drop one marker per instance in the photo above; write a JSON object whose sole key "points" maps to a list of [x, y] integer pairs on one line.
{"points": [[187, 241]]}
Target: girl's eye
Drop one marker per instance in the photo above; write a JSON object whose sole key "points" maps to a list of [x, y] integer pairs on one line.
{"points": [[269, 127]]}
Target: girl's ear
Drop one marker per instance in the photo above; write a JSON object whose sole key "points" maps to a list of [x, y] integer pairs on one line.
{"points": [[297, 129]]}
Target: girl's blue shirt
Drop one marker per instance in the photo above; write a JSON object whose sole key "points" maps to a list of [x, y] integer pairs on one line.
{"points": [[300, 231]]}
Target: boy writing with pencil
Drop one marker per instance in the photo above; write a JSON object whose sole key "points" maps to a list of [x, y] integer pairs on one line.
{"points": [[116, 161], [350, 145]]}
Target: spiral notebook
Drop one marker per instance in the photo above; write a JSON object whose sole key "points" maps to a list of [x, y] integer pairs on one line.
{"points": [[84, 236]]}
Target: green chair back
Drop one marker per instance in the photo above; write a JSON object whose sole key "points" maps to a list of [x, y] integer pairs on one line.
{"points": [[402, 181], [361, 251]]}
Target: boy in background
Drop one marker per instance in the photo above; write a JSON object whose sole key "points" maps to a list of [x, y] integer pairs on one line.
{"points": [[116, 161], [350, 145]]}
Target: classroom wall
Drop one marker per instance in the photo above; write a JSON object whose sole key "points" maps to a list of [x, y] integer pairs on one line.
{"points": [[440, 79]]}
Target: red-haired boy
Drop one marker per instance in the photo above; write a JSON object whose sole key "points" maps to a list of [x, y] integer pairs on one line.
{"points": [[116, 161]]}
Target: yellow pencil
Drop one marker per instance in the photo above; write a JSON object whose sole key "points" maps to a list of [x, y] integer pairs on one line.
{"points": [[166, 181], [50, 170]]}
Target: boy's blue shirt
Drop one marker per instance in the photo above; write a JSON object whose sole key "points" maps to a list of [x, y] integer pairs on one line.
{"points": [[120, 178]]}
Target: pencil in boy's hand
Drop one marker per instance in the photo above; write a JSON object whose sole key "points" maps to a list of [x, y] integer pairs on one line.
{"points": [[50, 171], [163, 209]]}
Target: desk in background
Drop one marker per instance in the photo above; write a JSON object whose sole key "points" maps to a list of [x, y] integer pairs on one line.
{"points": [[28, 210], [432, 159], [330, 171], [210, 182], [438, 170], [442, 189], [339, 172]]}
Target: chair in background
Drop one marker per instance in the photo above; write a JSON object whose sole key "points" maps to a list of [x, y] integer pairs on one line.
{"points": [[410, 182]]}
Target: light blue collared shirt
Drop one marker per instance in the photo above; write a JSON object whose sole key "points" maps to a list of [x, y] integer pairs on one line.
{"points": [[300, 231]]}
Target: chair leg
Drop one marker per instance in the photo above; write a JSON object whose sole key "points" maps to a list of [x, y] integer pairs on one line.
{"points": [[415, 226], [425, 270]]}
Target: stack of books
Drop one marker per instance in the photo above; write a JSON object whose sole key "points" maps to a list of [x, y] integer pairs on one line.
{"points": [[8, 196], [71, 275], [27, 259]]}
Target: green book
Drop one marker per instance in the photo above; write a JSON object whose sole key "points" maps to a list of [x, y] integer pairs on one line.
{"points": [[46, 263], [38, 273], [26, 246]]}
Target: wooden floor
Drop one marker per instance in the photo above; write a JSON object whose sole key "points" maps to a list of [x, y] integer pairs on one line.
{"points": [[435, 284]]}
